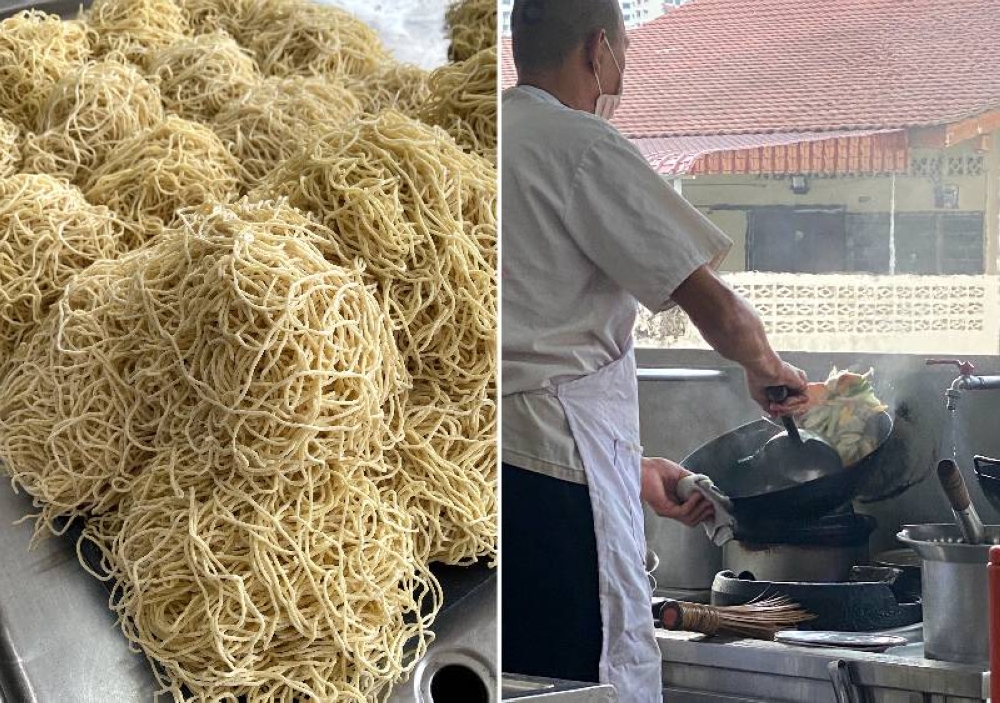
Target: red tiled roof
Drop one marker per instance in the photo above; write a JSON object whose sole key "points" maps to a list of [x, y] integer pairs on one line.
{"points": [[757, 66], [508, 73], [843, 151]]}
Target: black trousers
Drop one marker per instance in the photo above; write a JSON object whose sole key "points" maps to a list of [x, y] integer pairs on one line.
{"points": [[550, 608]]}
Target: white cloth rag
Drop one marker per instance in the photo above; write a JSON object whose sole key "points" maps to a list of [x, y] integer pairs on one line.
{"points": [[720, 528]]}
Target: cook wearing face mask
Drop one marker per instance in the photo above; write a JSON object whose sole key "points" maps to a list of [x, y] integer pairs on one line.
{"points": [[589, 232], [607, 103]]}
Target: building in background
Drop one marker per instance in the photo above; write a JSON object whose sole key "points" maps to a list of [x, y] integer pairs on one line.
{"points": [[636, 12], [857, 171]]}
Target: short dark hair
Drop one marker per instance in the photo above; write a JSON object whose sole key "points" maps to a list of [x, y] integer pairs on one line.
{"points": [[545, 32]]}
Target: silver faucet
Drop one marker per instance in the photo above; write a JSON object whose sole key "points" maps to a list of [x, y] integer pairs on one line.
{"points": [[966, 381]]}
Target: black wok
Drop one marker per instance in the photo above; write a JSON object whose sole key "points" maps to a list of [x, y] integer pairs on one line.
{"points": [[988, 473], [759, 493]]}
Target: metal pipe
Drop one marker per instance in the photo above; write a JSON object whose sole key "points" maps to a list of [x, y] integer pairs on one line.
{"points": [[969, 383], [966, 380], [976, 383], [667, 374]]}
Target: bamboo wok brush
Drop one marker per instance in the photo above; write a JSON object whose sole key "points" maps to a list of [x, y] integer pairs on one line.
{"points": [[758, 619]]}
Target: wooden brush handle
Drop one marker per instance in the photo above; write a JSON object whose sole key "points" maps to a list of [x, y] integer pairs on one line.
{"points": [[958, 495], [953, 485], [690, 617]]}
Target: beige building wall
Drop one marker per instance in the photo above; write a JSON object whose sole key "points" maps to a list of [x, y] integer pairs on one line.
{"points": [[733, 223], [993, 206], [716, 196]]}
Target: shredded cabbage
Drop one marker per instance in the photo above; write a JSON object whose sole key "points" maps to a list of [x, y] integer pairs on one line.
{"points": [[840, 413]]}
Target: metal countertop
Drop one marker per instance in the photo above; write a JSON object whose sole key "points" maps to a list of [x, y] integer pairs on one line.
{"points": [[59, 640], [903, 669]]}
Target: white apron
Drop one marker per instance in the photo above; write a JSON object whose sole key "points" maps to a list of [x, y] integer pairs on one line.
{"points": [[603, 414]]}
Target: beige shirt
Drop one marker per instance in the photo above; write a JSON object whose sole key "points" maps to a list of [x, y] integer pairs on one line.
{"points": [[589, 231]]}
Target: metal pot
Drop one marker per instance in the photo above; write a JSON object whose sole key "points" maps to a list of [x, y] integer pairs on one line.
{"points": [[688, 561], [955, 591], [790, 562], [820, 551]]}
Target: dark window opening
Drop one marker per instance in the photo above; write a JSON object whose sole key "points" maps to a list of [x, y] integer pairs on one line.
{"points": [[800, 240]]}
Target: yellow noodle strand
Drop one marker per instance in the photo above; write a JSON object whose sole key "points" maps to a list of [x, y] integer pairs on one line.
{"points": [[404, 198], [10, 148], [200, 76], [269, 124], [309, 39], [86, 114], [241, 19], [36, 50], [463, 101], [148, 177], [273, 414], [392, 86], [48, 232], [472, 27], [135, 28]]}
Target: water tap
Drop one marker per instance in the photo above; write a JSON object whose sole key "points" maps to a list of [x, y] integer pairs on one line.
{"points": [[966, 381]]}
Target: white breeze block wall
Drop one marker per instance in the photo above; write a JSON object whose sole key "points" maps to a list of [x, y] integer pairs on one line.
{"points": [[849, 312]]}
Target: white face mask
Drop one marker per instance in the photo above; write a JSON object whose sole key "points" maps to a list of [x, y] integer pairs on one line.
{"points": [[607, 104]]}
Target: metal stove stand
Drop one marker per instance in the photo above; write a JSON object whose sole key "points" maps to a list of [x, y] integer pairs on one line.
{"points": [[752, 671]]}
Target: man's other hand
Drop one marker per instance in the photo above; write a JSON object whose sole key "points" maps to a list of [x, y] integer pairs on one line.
{"points": [[659, 490]]}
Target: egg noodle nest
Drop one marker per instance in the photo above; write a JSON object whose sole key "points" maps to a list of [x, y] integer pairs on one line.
{"points": [[249, 305], [472, 27]]}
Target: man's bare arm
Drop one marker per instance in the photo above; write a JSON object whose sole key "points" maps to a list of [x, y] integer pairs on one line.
{"points": [[732, 327]]}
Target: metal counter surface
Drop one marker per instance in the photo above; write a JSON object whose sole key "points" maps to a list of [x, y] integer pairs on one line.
{"points": [[531, 689], [754, 671], [59, 640]]}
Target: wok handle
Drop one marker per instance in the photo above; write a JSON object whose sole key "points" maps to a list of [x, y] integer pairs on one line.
{"points": [[778, 394], [979, 461], [961, 504]]}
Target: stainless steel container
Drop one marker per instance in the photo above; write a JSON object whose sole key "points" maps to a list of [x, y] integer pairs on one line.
{"points": [[688, 561], [955, 591], [789, 562]]}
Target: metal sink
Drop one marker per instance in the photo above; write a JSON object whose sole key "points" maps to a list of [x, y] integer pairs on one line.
{"points": [[461, 663]]}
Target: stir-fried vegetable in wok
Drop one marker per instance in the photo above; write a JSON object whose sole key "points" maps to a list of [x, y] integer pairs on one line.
{"points": [[839, 412]]}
